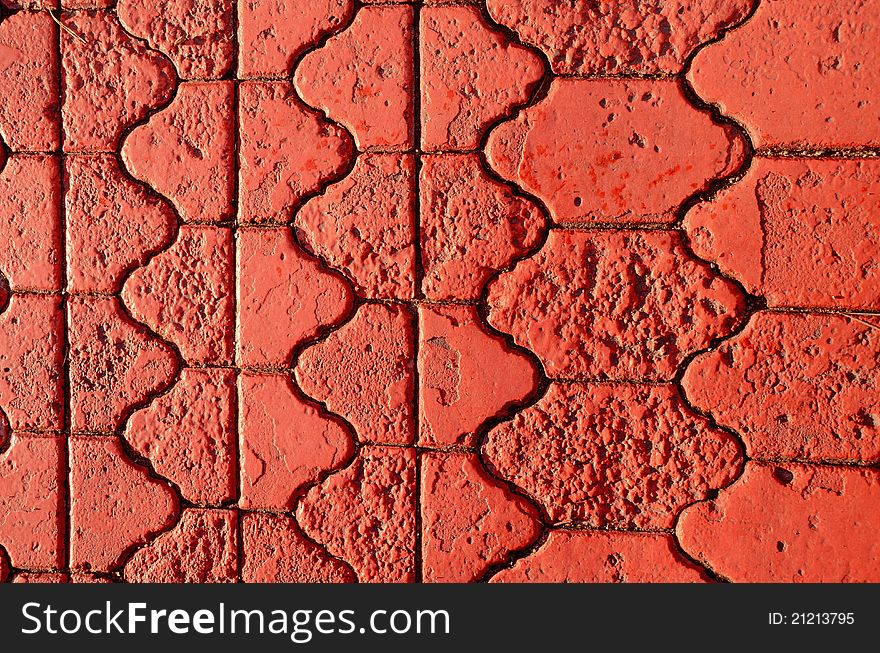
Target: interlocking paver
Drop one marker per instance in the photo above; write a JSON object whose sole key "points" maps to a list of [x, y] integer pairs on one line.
{"points": [[185, 151], [273, 34], [800, 387], [274, 550], [113, 223], [570, 556], [798, 232], [287, 152], [31, 506], [466, 375], [798, 75], [470, 521], [31, 255], [195, 310], [32, 361], [364, 372], [613, 150], [470, 77], [364, 514], [29, 82], [115, 504], [286, 443], [195, 34], [110, 81], [664, 456], [189, 434], [284, 296], [595, 38], [202, 548], [364, 225], [468, 290], [115, 364], [471, 226], [621, 305], [363, 78], [821, 527]]}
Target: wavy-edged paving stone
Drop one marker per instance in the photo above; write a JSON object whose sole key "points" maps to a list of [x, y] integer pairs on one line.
{"points": [[800, 232], [613, 455], [115, 505], [470, 521], [798, 75], [31, 502], [288, 151], [188, 435], [31, 250], [466, 375], [363, 77], [285, 442], [274, 550], [185, 151], [471, 76], [195, 307], [571, 556], [471, 226], [789, 523], [29, 82], [113, 223], [114, 364], [32, 363], [273, 34], [614, 150], [202, 548], [366, 514], [110, 81], [595, 38], [797, 386], [364, 373], [364, 225], [195, 34], [284, 296], [622, 305]]}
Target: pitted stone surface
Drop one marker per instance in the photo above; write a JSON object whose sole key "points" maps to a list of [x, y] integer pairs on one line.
{"points": [[365, 514], [621, 305], [594, 38], [364, 372], [471, 226], [365, 226], [664, 456], [800, 387]]}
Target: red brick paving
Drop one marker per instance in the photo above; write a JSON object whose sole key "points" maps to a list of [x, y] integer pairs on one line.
{"points": [[509, 290]]}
